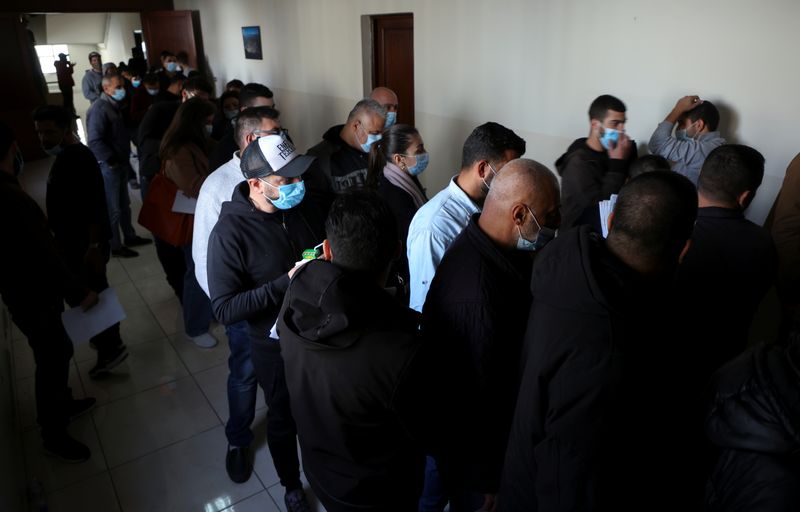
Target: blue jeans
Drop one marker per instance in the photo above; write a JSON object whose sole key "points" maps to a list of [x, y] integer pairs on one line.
{"points": [[433, 497], [197, 313], [242, 386], [118, 203]]}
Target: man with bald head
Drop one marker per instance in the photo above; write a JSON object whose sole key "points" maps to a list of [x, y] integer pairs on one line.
{"points": [[343, 154], [476, 312], [388, 99], [594, 426]]}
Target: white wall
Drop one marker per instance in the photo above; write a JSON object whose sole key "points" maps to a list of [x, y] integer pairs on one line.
{"points": [[532, 65], [119, 36], [76, 28]]}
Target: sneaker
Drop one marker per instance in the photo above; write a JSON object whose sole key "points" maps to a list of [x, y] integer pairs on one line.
{"points": [[109, 361], [137, 240], [296, 501], [67, 449], [238, 464], [205, 340], [80, 407], [124, 252]]}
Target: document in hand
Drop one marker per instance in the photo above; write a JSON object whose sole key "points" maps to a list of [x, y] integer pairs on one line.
{"points": [[606, 208], [81, 325], [184, 203]]}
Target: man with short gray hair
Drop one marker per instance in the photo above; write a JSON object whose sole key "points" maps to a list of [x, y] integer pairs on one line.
{"points": [[343, 154]]}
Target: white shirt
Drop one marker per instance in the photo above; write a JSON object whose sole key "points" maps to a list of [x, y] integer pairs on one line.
{"points": [[434, 227], [217, 189]]}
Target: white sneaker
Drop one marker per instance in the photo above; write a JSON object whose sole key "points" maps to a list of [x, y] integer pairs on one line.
{"points": [[205, 340]]}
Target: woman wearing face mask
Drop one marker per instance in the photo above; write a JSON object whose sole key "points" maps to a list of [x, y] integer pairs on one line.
{"points": [[395, 162], [228, 110], [184, 156]]}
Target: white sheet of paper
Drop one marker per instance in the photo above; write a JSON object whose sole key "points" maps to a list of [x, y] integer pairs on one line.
{"points": [[81, 325], [273, 333], [184, 203], [606, 207]]}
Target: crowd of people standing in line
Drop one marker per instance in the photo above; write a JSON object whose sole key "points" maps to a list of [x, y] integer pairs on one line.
{"points": [[487, 348]]}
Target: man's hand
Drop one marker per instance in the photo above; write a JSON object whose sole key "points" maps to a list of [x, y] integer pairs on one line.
{"points": [[683, 105], [621, 149], [89, 301]]}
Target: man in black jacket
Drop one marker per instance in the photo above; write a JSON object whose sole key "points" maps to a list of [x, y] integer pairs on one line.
{"points": [[355, 366], [77, 214], [591, 430], [477, 308], [595, 167], [343, 154], [252, 251], [252, 95], [34, 282]]}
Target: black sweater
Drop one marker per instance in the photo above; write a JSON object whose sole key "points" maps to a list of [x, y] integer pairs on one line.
{"points": [[357, 377], [250, 253]]}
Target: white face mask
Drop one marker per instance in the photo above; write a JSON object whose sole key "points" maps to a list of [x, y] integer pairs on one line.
{"points": [[209, 129]]}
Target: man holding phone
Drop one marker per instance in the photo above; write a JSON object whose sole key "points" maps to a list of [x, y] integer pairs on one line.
{"points": [[252, 251]]}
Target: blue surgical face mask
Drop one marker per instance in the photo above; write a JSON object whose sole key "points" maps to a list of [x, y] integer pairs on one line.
{"points": [[152, 92], [290, 195], [372, 138], [422, 163], [136, 83], [391, 118], [172, 67], [230, 114], [119, 94], [543, 238], [55, 150], [609, 135]]}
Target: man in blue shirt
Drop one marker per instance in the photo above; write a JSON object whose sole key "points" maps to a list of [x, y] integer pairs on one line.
{"points": [[434, 227], [437, 224]]}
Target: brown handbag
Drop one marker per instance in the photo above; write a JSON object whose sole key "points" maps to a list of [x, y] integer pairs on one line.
{"points": [[157, 215]]}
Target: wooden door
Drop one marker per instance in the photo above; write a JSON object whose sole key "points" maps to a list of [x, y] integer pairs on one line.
{"points": [[174, 31], [393, 60]]}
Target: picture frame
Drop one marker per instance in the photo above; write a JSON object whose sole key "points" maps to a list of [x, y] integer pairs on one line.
{"points": [[251, 37]]}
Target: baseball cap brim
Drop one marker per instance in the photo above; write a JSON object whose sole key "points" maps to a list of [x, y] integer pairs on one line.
{"points": [[296, 167]]}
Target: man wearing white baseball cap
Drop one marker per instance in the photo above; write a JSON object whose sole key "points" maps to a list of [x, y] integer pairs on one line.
{"points": [[262, 231]]}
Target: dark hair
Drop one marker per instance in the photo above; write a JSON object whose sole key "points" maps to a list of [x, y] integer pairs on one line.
{"points": [[167, 53], [250, 92], [490, 141], [362, 232], [707, 112], [225, 95], [55, 113], [654, 216], [396, 139], [250, 119], [194, 73], [150, 78], [648, 163], [730, 170], [187, 127], [602, 104], [182, 56], [235, 83], [197, 83], [6, 139]]}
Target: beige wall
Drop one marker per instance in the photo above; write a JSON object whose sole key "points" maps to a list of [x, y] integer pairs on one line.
{"points": [[119, 36], [76, 28], [533, 65]]}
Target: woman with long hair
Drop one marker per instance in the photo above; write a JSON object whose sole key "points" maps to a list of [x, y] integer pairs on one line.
{"points": [[395, 161], [184, 156]]}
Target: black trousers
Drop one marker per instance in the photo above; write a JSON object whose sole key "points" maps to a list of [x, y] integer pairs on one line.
{"points": [[40, 322], [281, 429], [68, 103]]}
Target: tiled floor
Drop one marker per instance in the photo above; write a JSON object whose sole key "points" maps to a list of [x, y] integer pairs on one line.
{"points": [[157, 433]]}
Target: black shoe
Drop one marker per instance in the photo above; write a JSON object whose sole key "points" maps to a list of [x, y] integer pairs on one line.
{"points": [[238, 464], [107, 362], [137, 240], [67, 449], [124, 252], [80, 407], [296, 501]]}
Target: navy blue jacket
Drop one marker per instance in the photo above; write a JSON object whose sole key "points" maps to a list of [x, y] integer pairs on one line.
{"points": [[108, 135]]}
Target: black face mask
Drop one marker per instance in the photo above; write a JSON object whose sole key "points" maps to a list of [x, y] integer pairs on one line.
{"points": [[18, 163]]}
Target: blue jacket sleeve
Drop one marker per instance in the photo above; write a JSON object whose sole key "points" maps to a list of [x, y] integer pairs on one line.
{"points": [[98, 134]]}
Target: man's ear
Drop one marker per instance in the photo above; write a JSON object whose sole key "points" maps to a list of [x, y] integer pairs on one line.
{"points": [[701, 125], [518, 212], [483, 168], [327, 255], [745, 198]]}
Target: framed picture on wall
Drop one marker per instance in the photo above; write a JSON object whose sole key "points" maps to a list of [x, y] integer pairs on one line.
{"points": [[252, 42]]}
